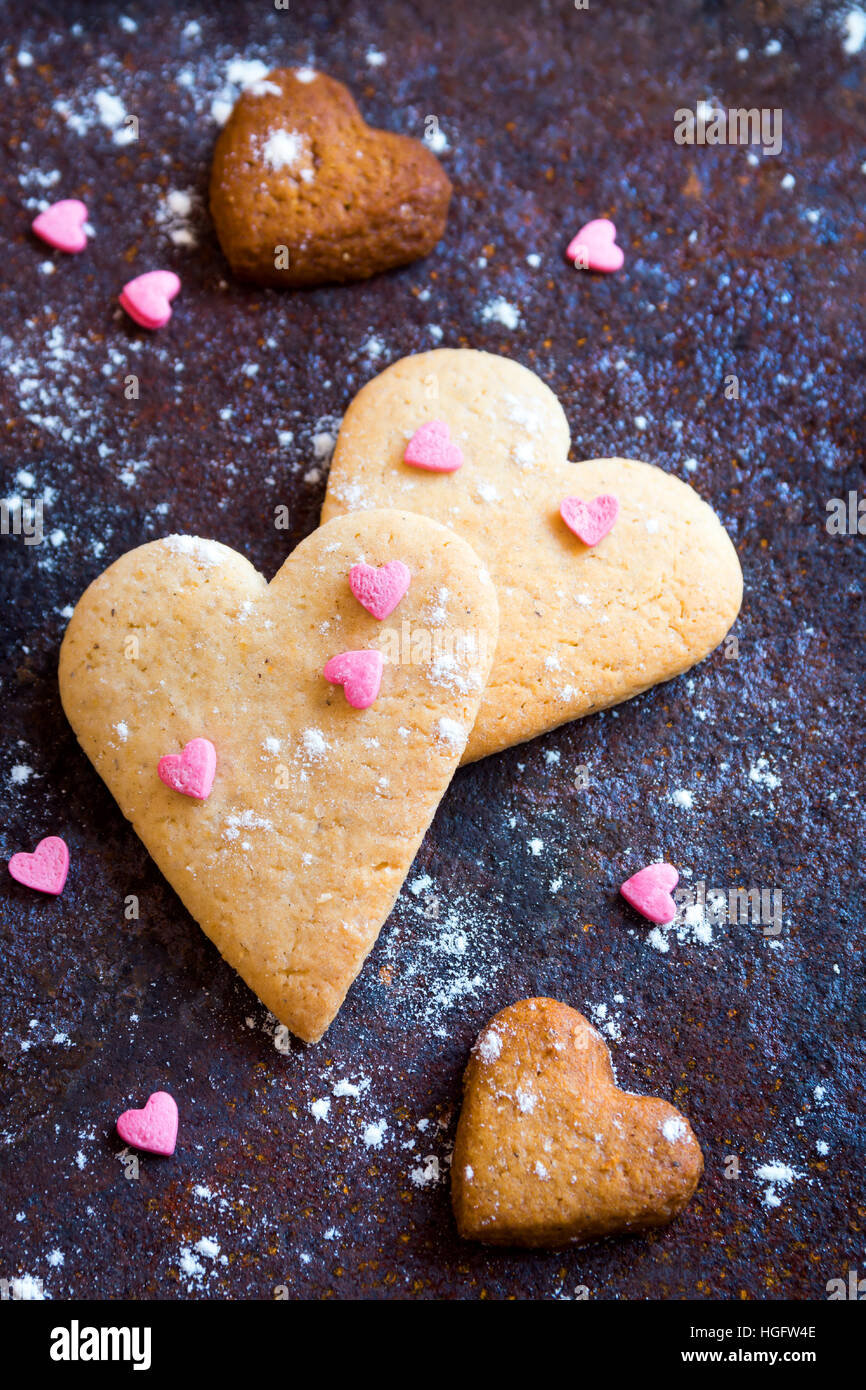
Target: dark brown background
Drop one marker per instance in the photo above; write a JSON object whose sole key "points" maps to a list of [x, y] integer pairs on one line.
{"points": [[553, 116]]}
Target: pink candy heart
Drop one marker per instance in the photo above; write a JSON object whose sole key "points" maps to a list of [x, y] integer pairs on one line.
{"points": [[380, 590], [62, 225], [590, 521], [360, 675], [146, 298], [595, 246], [192, 771], [154, 1128], [45, 869], [649, 892], [430, 447]]}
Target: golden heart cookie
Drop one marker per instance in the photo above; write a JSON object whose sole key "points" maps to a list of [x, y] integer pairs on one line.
{"points": [[304, 192], [290, 846], [549, 1150], [580, 627]]}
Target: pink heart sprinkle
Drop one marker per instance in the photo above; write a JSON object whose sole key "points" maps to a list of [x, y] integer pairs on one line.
{"points": [[360, 675], [649, 892], [595, 248], [430, 447], [62, 225], [154, 1128], [380, 590], [590, 521], [146, 298], [192, 771], [45, 869]]}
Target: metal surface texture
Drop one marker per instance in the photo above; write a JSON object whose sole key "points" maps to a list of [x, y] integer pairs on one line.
{"points": [[746, 773]]}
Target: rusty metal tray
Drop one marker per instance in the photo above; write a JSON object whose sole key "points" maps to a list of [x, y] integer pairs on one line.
{"points": [[747, 773]]}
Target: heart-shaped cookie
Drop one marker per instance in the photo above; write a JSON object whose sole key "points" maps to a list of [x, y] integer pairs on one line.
{"points": [[360, 675], [62, 225], [594, 247], [45, 869], [549, 1151], [147, 298], [579, 628], [649, 892], [154, 1128], [316, 810], [192, 770], [304, 192], [380, 590], [430, 447]]}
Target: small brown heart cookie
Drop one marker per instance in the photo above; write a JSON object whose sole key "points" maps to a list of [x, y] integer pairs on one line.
{"points": [[549, 1150], [304, 192]]}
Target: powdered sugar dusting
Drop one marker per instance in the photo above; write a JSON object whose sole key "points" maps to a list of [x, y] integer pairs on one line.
{"points": [[454, 735], [778, 1177], [674, 1129], [245, 820], [204, 552], [489, 1045], [287, 149]]}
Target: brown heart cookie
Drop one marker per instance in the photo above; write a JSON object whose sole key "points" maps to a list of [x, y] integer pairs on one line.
{"points": [[549, 1150], [291, 855], [581, 626], [304, 192]]}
